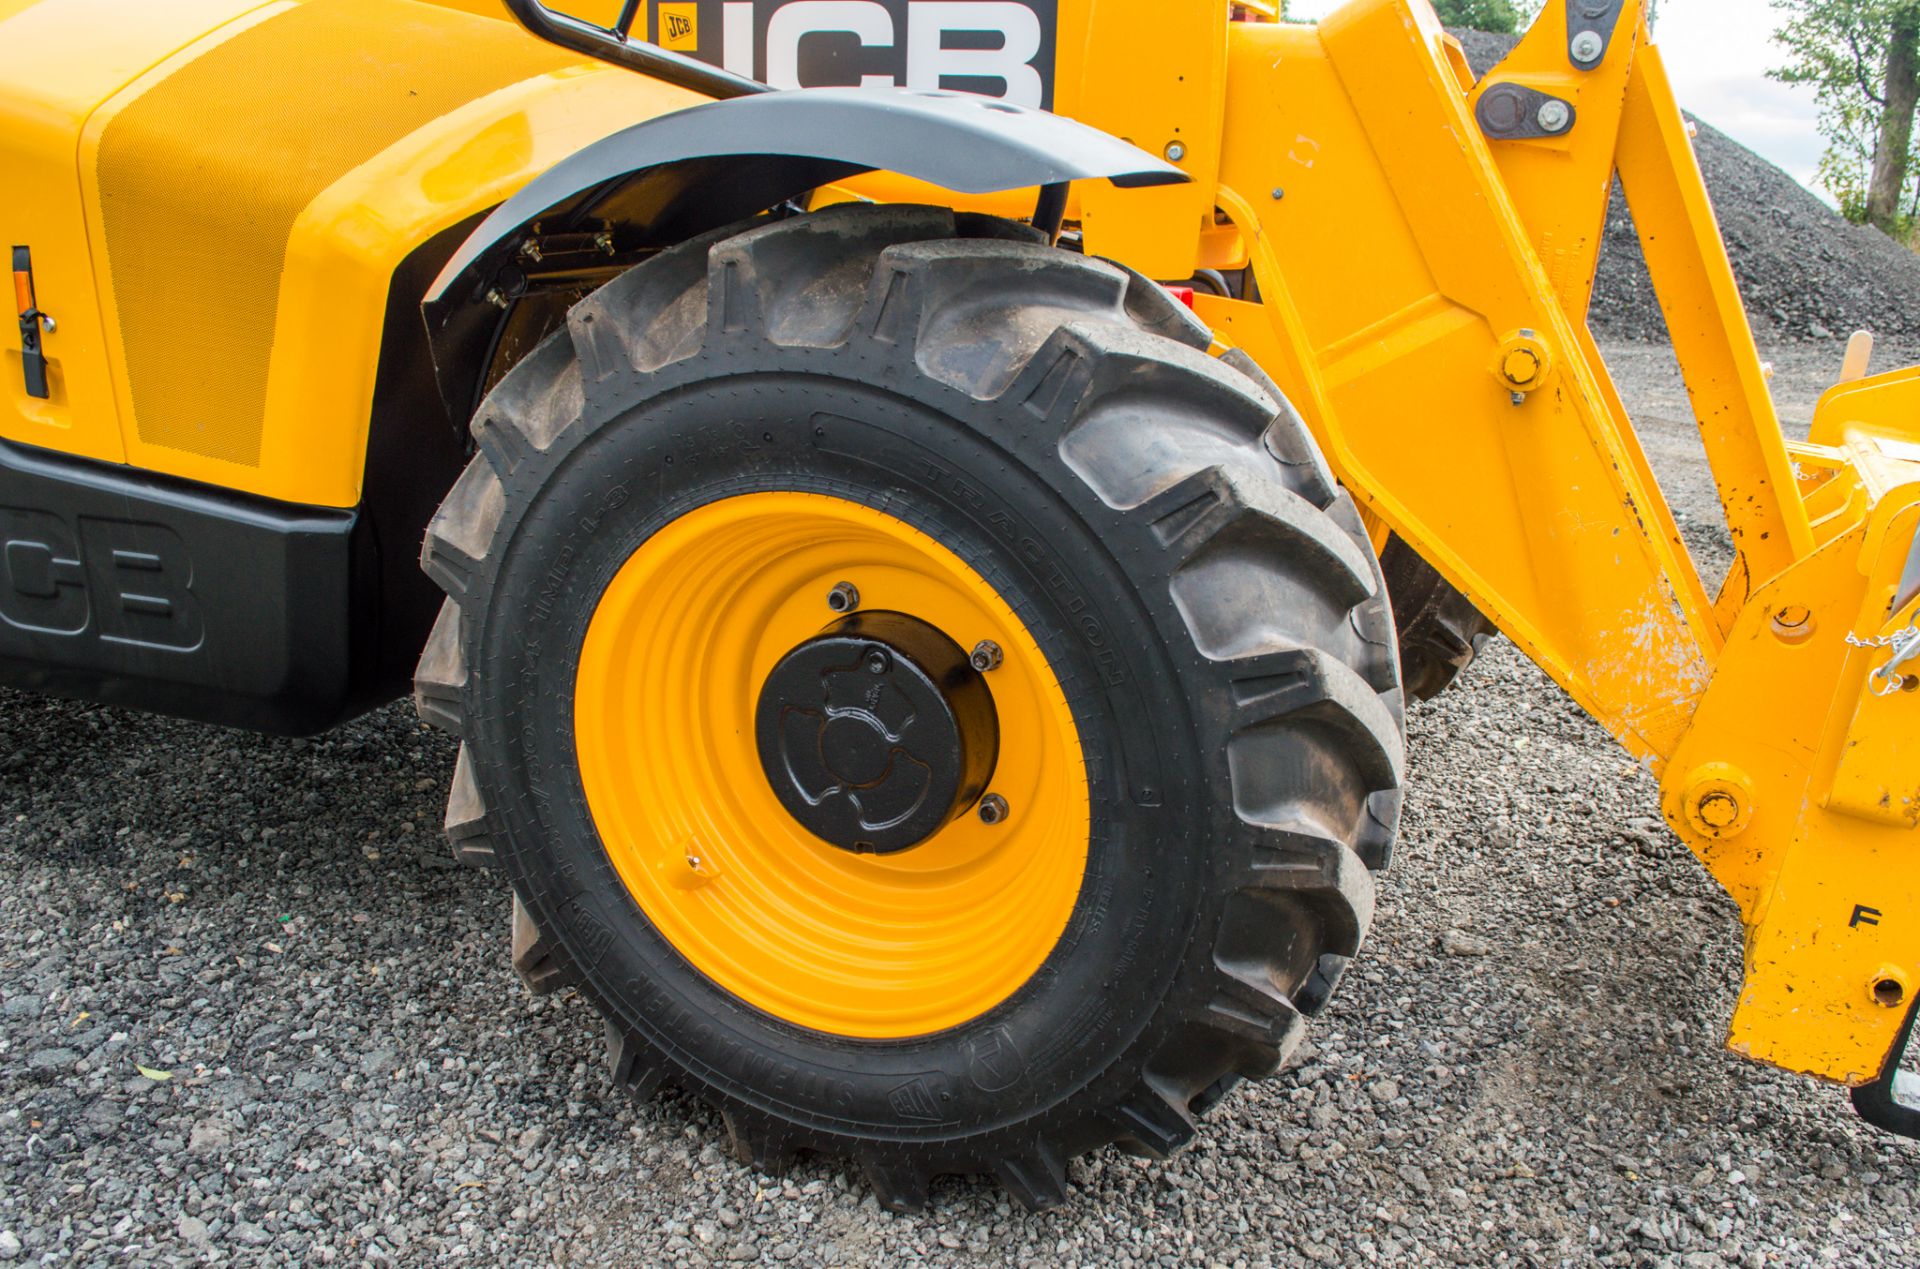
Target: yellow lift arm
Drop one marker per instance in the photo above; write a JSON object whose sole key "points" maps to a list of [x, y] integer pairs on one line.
{"points": [[1425, 248]]}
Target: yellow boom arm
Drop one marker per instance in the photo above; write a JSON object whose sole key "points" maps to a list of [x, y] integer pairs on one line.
{"points": [[1425, 248]]}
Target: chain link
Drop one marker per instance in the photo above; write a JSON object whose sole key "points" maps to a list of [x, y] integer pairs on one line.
{"points": [[1887, 679]]}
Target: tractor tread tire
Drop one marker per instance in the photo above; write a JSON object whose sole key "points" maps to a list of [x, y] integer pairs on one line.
{"points": [[1441, 631], [1095, 379]]}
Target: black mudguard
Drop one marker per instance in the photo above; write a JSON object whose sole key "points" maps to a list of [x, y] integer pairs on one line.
{"points": [[781, 144], [669, 178]]}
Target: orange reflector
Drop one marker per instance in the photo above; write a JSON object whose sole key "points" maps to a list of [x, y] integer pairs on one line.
{"points": [[22, 280]]}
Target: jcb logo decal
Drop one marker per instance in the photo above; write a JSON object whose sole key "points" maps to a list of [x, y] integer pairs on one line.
{"points": [[997, 48], [680, 27]]}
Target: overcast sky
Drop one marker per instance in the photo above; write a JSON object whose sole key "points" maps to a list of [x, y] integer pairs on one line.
{"points": [[1718, 52]]}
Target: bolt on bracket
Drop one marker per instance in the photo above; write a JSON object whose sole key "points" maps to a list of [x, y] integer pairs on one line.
{"points": [[1515, 112], [1590, 26]]}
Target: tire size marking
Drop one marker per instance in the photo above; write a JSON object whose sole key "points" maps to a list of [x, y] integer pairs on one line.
{"points": [[551, 584]]}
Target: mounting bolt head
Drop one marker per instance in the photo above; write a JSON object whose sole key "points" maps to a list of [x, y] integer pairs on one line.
{"points": [[985, 656], [1175, 151], [1553, 115], [1522, 362], [1716, 801], [844, 597], [1522, 365], [1586, 48], [993, 809]]}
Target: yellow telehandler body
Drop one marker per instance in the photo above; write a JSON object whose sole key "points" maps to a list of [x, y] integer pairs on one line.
{"points": [[228, 219]]}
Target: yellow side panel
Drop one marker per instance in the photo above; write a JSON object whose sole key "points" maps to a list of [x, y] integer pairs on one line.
{"points": [[58, 60], [602, 12], [245, 266], [346, 244], [201, 176], [1394, 269], [1151, 73], [1154, 74]]}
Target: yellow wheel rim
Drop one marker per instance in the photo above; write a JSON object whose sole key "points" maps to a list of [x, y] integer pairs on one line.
{"points": [[857, 945]]}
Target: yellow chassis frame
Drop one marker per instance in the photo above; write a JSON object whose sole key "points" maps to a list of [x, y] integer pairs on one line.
{"points": [[1422, 297]]}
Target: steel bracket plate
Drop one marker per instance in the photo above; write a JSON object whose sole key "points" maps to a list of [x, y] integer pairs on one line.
{"points": [[1515, 112], [1599, 17]]}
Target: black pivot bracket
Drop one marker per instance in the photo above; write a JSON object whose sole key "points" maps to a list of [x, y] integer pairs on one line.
{"points": [[1515, 112], [1590, 25]]}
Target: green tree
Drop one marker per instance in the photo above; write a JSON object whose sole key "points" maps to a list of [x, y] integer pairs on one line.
{"points": [[1862, 59], [1500, 16]]}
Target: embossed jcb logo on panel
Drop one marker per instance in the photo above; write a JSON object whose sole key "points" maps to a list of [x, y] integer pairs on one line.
{"points": [[121, 581]]}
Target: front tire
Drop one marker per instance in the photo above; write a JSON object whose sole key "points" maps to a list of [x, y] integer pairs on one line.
{"points": [[1000, 436]]}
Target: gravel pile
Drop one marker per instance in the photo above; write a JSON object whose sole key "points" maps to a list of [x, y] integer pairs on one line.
{"points": [[340, 1068], [1804, 271]]}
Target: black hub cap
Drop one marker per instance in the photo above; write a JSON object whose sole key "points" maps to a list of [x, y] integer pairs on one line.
{"points": [[877, 733]]}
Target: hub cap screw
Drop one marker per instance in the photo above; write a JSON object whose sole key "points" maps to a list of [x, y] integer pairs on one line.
{"points": [[985, 656], [993, 809], [876, 662], [844, 597]]}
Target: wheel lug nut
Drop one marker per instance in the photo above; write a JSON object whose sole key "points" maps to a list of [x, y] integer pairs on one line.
{"points": [[844, 597], [985, 656], [993, 809]]}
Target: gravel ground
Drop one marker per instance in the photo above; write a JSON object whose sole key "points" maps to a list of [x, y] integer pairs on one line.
{"points": [[1524, 1069]]}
